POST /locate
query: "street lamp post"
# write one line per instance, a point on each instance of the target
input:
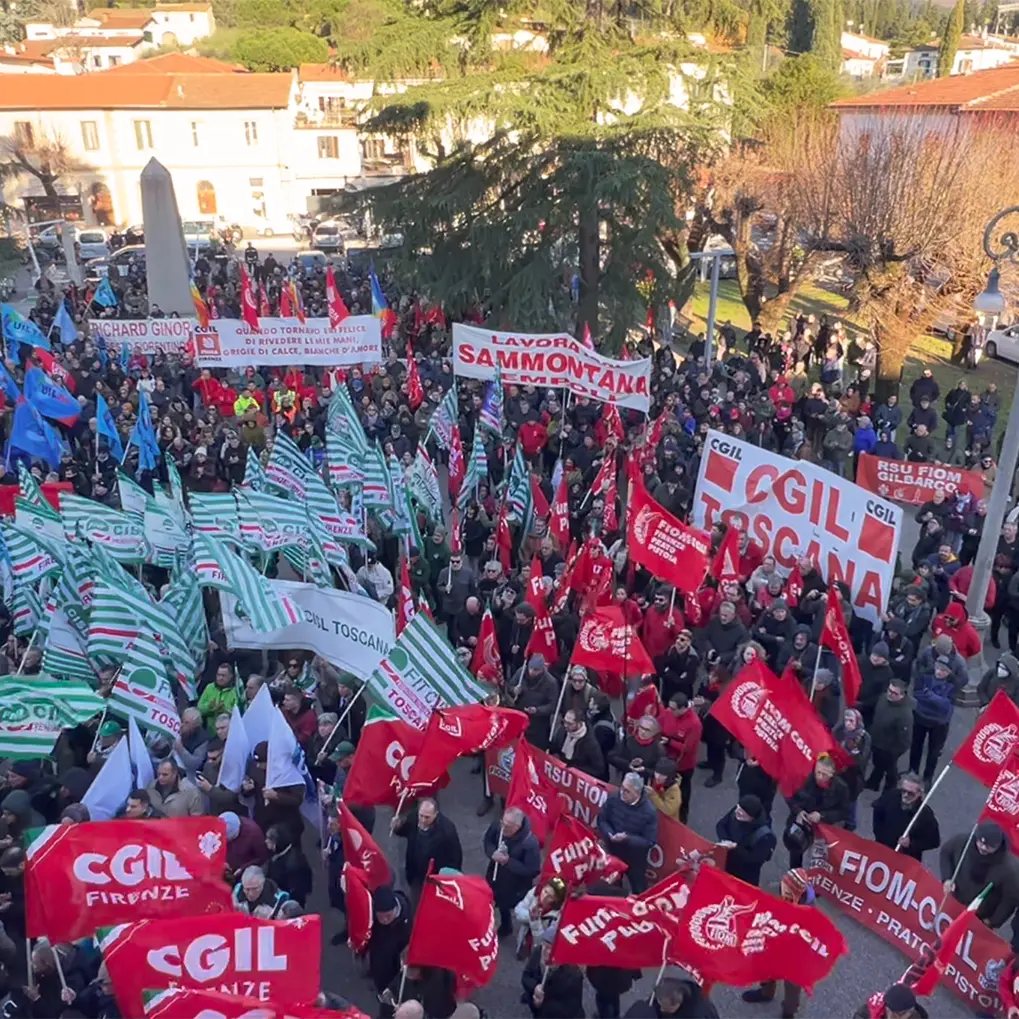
(715, 256)
(990, 305)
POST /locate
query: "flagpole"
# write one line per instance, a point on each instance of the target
(916, 816)
(955, 873)
(661, 969)
(99, 729)
(31, 642)
(28, 959)
(559, 703)
(320, 756)
(403, 981)
(60, 968)
(817, 665)
(396, 813)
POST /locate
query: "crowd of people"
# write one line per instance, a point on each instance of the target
(644, 736)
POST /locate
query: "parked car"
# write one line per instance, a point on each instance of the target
(328, 237)
(116, 264)
(311, 260)
(92, 244)
(1003, 343)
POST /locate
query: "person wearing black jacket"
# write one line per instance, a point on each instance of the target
(49, 992)
(609, 982)
(678, 667)
(389, 937)
(551, 992)
(901, 650)
(575, 744)
(674, 998)
(823, 797)
(287, 865)
(753, 780)
(514, 862)
(432, 840)
(724, 634)
(746, 832)
(97, 1000)
(875, 675)
(896, 808)
(775, 630)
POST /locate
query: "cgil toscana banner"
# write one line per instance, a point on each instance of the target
(232, 343)
(793, 508)
(551, 359)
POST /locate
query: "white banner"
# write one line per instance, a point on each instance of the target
(791, 508)
(550, 359)
(144, 335)
(231, 342)
(350, 631)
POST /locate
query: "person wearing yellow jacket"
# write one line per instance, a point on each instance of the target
(663, 789)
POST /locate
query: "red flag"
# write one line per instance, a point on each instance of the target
(664, 545)
(83, 876)
(586, 337)
(835, 635)
(382, 761)
(596, 930)
(776, 723)
(538, 500)
(736, 934)
(559, 521)
(945, 946)
(994, 735)
(286, 302)
(358, 905)
(504, 539)
(454, 929)
(456, 545)
(577, 856)
(55, 369)
(298, 302)
(405, 610)
(281, 958)
(264, 308)
(543, 640)
(606, 472)
(610, 514)
(415, 391)
(180, 1003)
(486, 663)
(794, 587)
(535, 593)
(614, 423)
(653, 436)
(459, 732)
(532, 792)
(726, 564)
(249, 306)
(457, 465)
(1002, 804)
(337, 309)
(435, 316)
(361, 851)
(607, 643)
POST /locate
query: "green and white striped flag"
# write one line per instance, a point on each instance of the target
(288, 467)
(40, 518)
(341, 418)
(64, 654)
(32, 555)
(34, 710)
(218, 567)
(121, 535)
(423, 484)
(397, 485)
(168, 542)
(27, 610)
(269, 524)
(216, 513)
(29, 488)
(133, 498)
(520, 501)
(254, 475)
(142, 691)
(342, 460)
(376, 488)
(176, 486)
(477, 471)
(73, 589)
(444, 416)
(183, 602)
(422, 672)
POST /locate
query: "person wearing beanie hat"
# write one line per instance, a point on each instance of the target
(775, 630)
(534, 691)
(935, 689)
(390, 935)
(794, 887)
(875, 675)
(826, 696)
(941, 647)
(898, 1002)
(663, 789)
(245, 845)
(747, 833)
(969, 866)
(551, 990)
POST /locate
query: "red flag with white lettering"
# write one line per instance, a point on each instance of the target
(181, 1003)
(989, 744)
(577, 856)
(458, 732)
(543, 640)
(405, 609)
(98, 874)
(726, 563)
(835, 635)
(357, 903)
(736, 934)
(457, 464)
(793, 587)
(334, 300)
(486, 663)
(607, 643)
(454, 929)
(361, 850)
(1002, 804)
(231, 952)
(249, 305)
(559, 521)
(532, 792)
(598, 930)
(415, 390)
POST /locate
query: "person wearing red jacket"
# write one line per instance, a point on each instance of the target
(661, 624)
(631, 610)
(783, 397)
(681, 736)
(953, 621)
(533, 438)
(207, 388)
(751, 555)
(960, 582)
(300, 715)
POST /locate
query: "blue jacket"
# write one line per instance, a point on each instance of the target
(638, 821)
(864, 440)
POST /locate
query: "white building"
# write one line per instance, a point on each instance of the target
(862, 56)
(975, 53)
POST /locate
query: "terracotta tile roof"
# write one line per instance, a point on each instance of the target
(24, 58)
(111, 17)
(72, 42)
(107, 91)
(322, 72)
(185, 8)
(850, 55)
(953, 93)
(177, 63)
(35, 49)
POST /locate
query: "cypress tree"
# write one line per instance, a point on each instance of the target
(950, 42)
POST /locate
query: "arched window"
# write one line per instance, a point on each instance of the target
(206, 198)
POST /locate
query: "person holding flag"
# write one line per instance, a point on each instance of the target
(514, 862)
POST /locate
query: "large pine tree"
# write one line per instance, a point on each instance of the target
(552, 166)
(950, 41)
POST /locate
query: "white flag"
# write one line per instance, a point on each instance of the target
(145, 774)
(258, 717)
(112, 786)
(235, 753)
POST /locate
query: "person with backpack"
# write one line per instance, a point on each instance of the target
(935, 702)
(747, 833)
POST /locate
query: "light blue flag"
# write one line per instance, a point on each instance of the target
(18, 329)
(107, 428)
(64, 322)
(104, 294)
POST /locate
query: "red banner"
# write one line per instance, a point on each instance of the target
(835, 635)
(664, 545)
(599, 930)
(178, 1003)
(532, 792)
(678, 846)
(576, 855)
(361, 850)
(81, 877)
(776, 723)
(357, 900)
(987, 747)
(607, 643)
(271, 960)
(486, 663)
(454, 929)
(905, 481)
(50, 489)
(896, 897)
(1002, 804)
(734, 933)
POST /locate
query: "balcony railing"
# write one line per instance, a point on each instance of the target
(320, 119)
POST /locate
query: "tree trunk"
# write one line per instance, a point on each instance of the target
(891, 359)
(589, 245)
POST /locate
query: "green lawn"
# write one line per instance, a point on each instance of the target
(927, 351)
